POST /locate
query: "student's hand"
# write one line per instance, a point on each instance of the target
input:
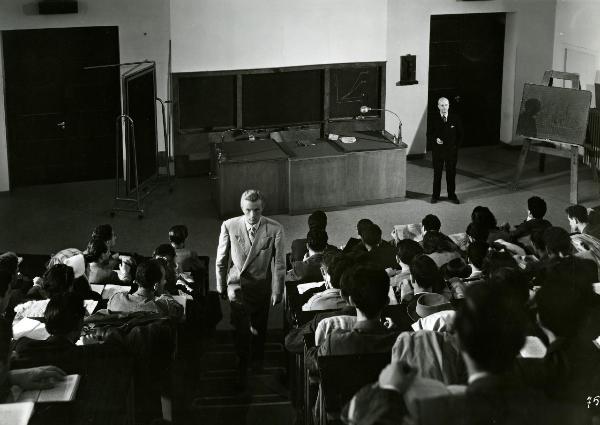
(391, 272)
(276, 299)
(89, 339)
(397, 376)
(36, 378)
(439, 141)
(124, 268)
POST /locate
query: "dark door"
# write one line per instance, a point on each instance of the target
(466, 54)
(61, 117)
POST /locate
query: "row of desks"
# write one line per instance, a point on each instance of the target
(299, 177)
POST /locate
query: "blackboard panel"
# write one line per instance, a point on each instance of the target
(280, 98)
(352, 87)
(207, 102)
(554, 113)
(139, 97)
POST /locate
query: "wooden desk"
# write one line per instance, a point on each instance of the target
(376, 169)
(241, 165)
(317, 174)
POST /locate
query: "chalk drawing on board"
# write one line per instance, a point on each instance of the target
(356, 94)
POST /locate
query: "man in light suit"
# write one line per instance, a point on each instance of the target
(444, 137)
(250, 268)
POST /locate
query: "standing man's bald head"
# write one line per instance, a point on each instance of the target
(443, 105)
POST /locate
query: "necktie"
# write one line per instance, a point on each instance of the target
(445, 118)
(252, 233)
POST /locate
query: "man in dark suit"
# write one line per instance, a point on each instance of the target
(250, 268)
(444, 137)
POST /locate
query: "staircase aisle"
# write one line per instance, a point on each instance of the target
(216, 401)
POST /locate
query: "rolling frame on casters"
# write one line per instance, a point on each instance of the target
(125, 124)
(548, 149)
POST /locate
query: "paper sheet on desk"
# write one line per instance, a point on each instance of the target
(533, 348)
(30, 328)
(303, 287)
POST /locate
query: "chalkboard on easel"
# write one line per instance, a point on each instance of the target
(554, 113)
(352, 87)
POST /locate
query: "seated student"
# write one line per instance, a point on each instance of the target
(536, 209)
(489, 348)
(379, 252)
(308, 270)
(406, 251)
(150, 279)
(477, 232)
(333, 266)
(567, 312)
(476, 252)
(35, 378)
(439, 247)
(165, 254)
(98, 269)
(482, 216)
(579, 221)
(185, 259)
(368, 287)
(17, 286)
(64, 321)
(356, 244)
(316, 221)
(105, 233)
(58, 279)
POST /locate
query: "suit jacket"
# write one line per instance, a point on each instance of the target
(450, 132)
(258, 268)
(384, 255)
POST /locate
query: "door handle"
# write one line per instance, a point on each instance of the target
(61, 125)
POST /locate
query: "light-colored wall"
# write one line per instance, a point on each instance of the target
(577, 41)
(143, 34)
(528, 52)
(212, 35)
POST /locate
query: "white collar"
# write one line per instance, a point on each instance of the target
(255, 226)
(477, 375)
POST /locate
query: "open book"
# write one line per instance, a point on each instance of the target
(62, 391)
(108, 291)
(16, 413)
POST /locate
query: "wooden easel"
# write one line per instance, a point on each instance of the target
(548, 147)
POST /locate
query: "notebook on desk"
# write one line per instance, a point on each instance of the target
(16, 413)
(62, 391)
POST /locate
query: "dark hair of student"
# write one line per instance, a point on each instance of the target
(436, 242)
(560, 307)
(498, 259)
(64, 313)
(407, 250)
(478, 232)
(148, 274)
(372, 235)
(336, 263)
(58, 279)
(476, 253)
(164, 250)
(316, 239)
(96, 247)
(491, 330)
(317, 220)
(362, 224)
(483, 215)
(537, 207)
(578, 212)
(426, 273)
(514, 282)
(103, 232)
(557, 241)
(178, 234)
(431, 222)
(368, 285)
